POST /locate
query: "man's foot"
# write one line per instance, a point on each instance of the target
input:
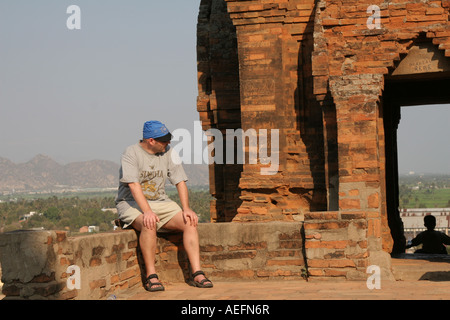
(152, 283)
(200, 281)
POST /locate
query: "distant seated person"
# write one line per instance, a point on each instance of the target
(432, 241)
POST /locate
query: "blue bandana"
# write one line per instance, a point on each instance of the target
(154, 129)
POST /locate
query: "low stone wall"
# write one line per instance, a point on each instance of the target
(36, 264)
(44, 264)
(341, 244)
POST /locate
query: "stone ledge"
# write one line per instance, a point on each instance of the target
(35, 263)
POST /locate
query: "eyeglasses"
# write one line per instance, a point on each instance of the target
(162, 141)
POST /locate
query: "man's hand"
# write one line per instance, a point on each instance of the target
(150, 220)
(191, 217)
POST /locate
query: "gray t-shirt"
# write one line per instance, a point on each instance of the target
(151, 171)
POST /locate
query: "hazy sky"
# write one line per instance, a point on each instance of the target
(84, 94)
(424, 139)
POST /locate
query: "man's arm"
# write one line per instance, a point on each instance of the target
(445, 239)
(416, 241)
(150, 218)
(184, 199)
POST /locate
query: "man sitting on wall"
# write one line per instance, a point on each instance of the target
(143, 204)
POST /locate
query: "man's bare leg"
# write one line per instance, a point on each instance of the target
(147, 243)
(190, 241)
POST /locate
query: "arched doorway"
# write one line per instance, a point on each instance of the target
(422, 77)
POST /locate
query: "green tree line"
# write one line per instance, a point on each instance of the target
(72, 213)
(57, 213)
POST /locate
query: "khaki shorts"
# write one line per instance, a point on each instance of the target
(165, 210)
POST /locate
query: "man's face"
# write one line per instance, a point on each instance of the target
(160, 146)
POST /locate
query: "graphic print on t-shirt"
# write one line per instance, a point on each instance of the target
(152, 183)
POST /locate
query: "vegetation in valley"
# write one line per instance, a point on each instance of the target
(424, 191)
(72, 211)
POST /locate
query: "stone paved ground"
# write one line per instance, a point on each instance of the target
(286, 298)
(231, 300)
(417, 279)
(300, 290)
(435, 285)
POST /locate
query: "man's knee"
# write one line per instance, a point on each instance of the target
(138, 225)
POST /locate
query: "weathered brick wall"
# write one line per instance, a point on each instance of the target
(252, 251)
(218, 101)
(337, 245)
(276, 93)
(350, 63)
(35, 263)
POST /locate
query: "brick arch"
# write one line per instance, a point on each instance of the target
(345, 47)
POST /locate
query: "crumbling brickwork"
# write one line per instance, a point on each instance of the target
(255, 75)
(36, 264)
(327, 74)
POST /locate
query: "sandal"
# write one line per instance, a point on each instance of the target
(148, 285)
(202, 283)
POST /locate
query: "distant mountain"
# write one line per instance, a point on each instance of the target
(198, 174)
(42, 173)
